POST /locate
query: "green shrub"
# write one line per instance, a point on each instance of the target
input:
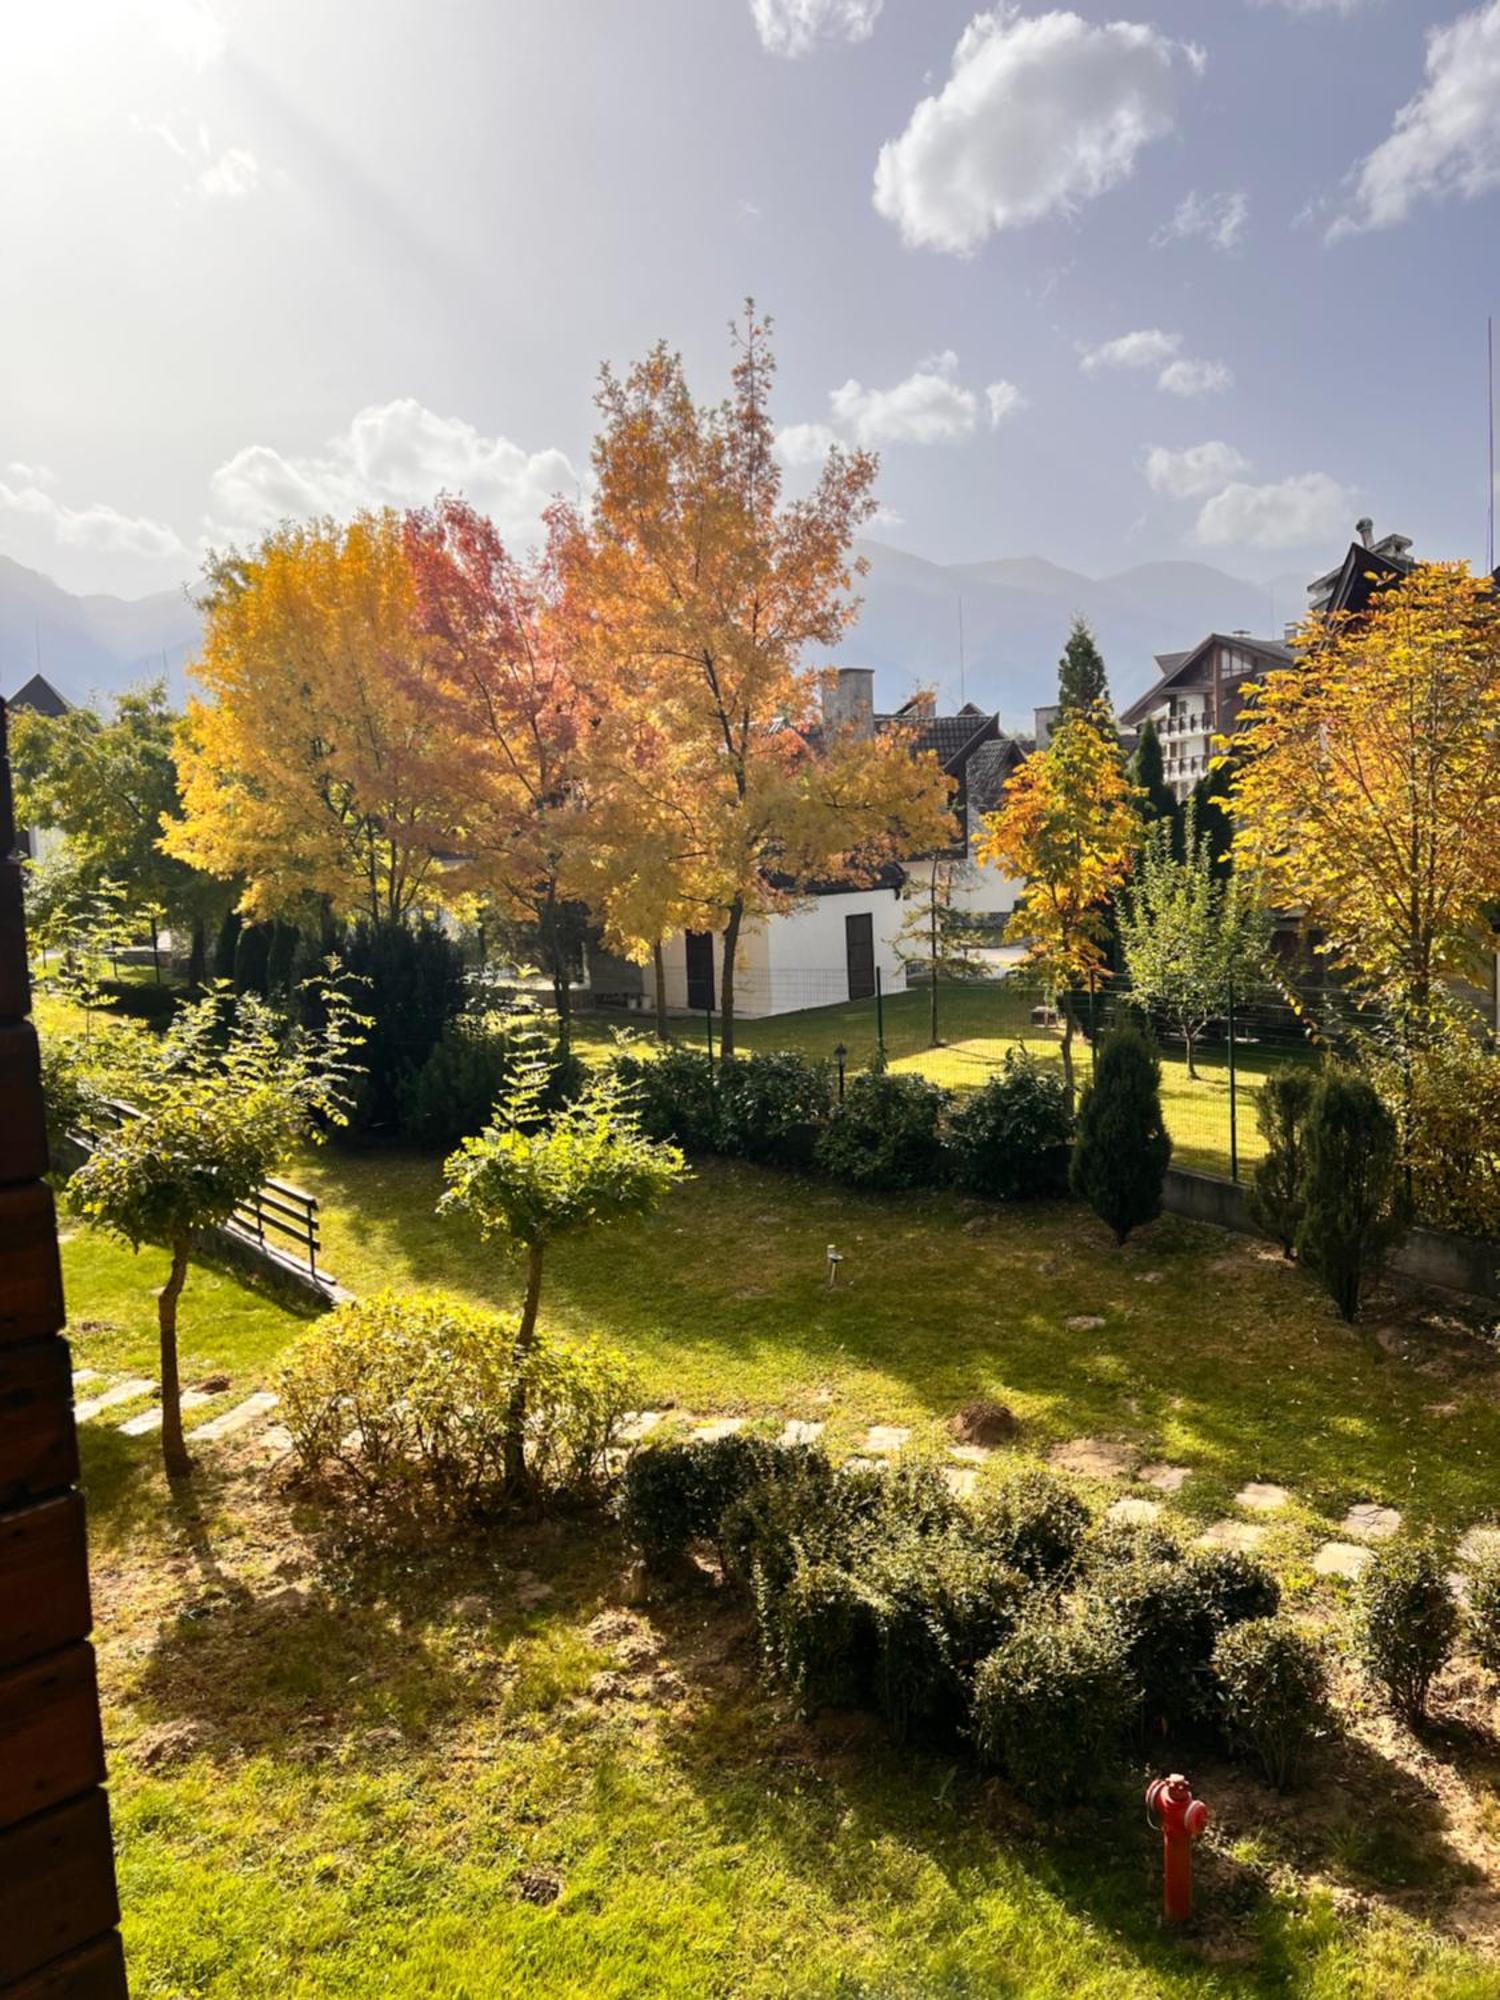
(1234, 1586)
(1277, 1193)
(818, 1634)
(887, 1134)
(408, 1395)
(1033, 1522)
(772, 1108)
(1405, 1622)
(451, 1096)
(252, 953)
(143, 1000)
(1115, 1544)
(1483, 1607)
(1122, 1151)
(676, 1095)
(1169, 1614)
(1273, 1695)
(1354, 1207)
(801, 1502)
(1052, 1705)
(1011, 1137)
(673, 1495)
(939, 1605)
(413, 985)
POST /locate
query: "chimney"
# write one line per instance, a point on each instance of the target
(849, 701)
(1365, 529)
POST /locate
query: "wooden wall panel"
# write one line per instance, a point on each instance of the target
(54, 1895)
(50, 1741)
(44, 1582)
(38, 1441)
(95, 1973)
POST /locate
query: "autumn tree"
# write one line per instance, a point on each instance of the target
(1367, 791)
(938, 938)
(313, 764)
(703, 589)
(1188, 935)
(1066, 830)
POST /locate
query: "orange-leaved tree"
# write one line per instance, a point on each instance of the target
(1367, 789)
(310, 763)
(497, 665)
(703, 587)
(1067, 827)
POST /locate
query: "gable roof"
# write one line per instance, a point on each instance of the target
(989, 767)
(1180, 671)
(954, 738)
(1351, 585)
(41, 697)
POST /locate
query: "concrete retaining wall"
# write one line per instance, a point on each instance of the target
(1425, 1257)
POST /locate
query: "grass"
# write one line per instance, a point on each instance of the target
(979, 1023)
(388, 1746)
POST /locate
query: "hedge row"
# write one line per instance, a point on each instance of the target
(1010, 1138)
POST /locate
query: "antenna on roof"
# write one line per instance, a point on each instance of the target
(1491, 361)
(963, 693)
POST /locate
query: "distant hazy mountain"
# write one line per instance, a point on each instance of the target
(86, 645)
(1016, 615)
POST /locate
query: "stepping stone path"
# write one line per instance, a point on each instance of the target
(150, 1420)
(716, 1428)
(1084, 1322)
(799, 1431)
(122, 1392)
(1259, 1497)
(237, 1419)
(1345, 1559)
(83, 1376)
(1165, 1478)
(886, 1439)
(1096, 1458)
(1132, 1512)
(962, 1479)
(1479, 1543)
(640, 1424)
(1244, 1536)
(1370, 1521)
(969, 1454)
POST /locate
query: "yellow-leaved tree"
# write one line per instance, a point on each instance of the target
(701, 588)
(1067, 827)
(1367, 789)
(311, 760)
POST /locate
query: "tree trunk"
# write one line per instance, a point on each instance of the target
(173, 1447)
(1067, 1049)
(933, 956)
(515, 1413)
(726, 981)
(156, 950)
(1191, 1043)
(659, 972)
(197, 956)
(562, 995)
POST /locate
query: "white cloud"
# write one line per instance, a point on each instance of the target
(805, 444)
(1446, 140)
(235, 172)
(795, 27)
(1218, 218)
(100, 526)
(930, 407)
(1290, 513)
(31, 475)
(886, 517)
(1177, 373)
(192, 30)
(1150, 348)
(1315, 6)
(1040, 114)
(1004, 399)
(1195, 378)
(1191, 473)
(397, 454)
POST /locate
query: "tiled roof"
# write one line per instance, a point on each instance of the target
(989, 767)
(949, 735)
(40, 696)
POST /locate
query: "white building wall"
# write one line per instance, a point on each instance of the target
(798, 959)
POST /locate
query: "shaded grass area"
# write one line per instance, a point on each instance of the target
(980, 1022)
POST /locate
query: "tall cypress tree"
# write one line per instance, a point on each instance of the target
(1148, 774)
(1122, 1151)
(1081, 677)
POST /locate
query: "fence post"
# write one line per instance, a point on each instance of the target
(1093, 1030)
(840, 1054)
(1234, 1137)
(879, 1014)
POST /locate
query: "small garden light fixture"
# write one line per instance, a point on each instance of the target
(840, 1053)
(835, 1258)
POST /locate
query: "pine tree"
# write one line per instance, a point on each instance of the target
(1354, 1208)
(1121, 1155)
(1147, 774)
(1082, 683)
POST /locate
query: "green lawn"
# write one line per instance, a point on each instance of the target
(978, 1023)
(387, 1743)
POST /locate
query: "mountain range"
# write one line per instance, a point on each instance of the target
(1015, 614)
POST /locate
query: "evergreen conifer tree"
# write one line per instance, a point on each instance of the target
(1147, 774)
(1354, 1208)
(1082, 682)
(1121, 1155)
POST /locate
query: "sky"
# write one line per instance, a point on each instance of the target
(1109, 284)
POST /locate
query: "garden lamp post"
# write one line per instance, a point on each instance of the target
(840, 1054)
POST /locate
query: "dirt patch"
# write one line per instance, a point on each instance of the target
(541, 1886)
(1096, 1458)
(986, 1424)
(173, 1742)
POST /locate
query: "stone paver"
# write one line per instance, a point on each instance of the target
(1245, 1536)
(885, 1439)
(237, 1419)
(1084, 1322)
(150, 1420)
(122, 1392)
(1479, 1543)
(970, 1454)
(1135, 1513)
(83, 1376)
(800, 1431)
(1165, 1478)
(1261, 1497)
(962, 1479)
(1346, 1559)
(716, 1428)
(276, 1439)
(639, 1424)
(1096, 1458)
(1370, 1521)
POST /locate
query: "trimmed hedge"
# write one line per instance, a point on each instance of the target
(887, 1134)
(1012, 1137)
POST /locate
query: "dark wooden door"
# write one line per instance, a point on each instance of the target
(700, 970)
(859, 955)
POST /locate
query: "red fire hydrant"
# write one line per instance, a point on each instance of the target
(1171, 1806)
